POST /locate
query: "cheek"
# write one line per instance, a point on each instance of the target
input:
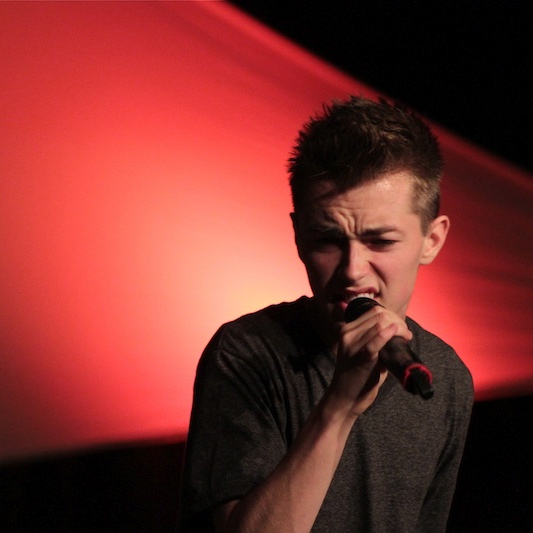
(401, 272)
(393, 268)
(321, 266)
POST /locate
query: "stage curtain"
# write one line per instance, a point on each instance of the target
(144, 201)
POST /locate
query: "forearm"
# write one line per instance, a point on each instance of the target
(290, 498)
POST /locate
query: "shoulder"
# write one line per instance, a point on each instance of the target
(426, 342)
(274, 320)
(268, 317)
(277, 332)
(441, 357)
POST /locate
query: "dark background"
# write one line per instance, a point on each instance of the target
(464, 64)
(135, 487)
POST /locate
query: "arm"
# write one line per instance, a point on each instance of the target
(291, 497)
(434, 514)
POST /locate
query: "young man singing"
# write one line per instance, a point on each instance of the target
(297, 425)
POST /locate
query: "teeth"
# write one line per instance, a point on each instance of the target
(366, 295)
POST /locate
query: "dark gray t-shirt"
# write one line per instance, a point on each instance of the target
(257, 382)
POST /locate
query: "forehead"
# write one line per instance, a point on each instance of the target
(392, 193)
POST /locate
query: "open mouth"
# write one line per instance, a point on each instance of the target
(364, 293)
(371, 295)
(342, 301)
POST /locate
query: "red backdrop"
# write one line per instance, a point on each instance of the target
(144, 201)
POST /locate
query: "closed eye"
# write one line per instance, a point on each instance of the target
(327, 242)
(380, 243)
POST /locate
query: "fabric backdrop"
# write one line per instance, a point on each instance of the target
(144, 201)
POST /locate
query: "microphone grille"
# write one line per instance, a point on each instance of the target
(358, 307)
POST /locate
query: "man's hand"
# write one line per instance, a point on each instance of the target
(359, 373)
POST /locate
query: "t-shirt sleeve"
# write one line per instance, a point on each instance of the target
(235, 436)
(458, 404)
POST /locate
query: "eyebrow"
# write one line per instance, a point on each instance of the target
(336, 230)
(372, 232)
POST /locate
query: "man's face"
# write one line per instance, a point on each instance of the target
(363, 241)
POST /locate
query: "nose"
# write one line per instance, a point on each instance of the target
(356, 261)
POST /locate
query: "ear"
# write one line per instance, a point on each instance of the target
(434, 239)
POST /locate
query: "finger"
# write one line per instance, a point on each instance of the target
(380, 337)
(355, 340)
(377, 315)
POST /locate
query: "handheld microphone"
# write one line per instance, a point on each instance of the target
(396, 355)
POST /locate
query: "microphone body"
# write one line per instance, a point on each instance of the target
(396, 355)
